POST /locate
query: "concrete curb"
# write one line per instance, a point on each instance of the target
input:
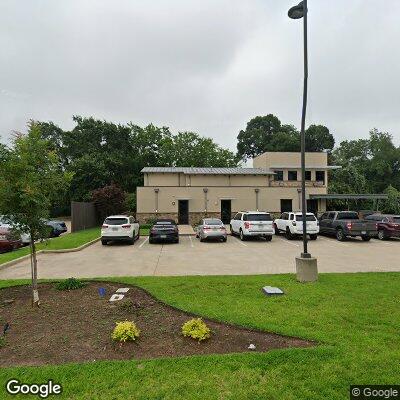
(18, 260)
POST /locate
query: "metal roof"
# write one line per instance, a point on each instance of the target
(209, 171)
(307, 167)
(362, 196)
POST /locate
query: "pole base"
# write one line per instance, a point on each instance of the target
(306, 269)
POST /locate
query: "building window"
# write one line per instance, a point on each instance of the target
(278, 176)
(286, 205)
(292, 175)
(308, 175)
(320, 176)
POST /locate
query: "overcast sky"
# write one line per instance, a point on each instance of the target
(201, 65)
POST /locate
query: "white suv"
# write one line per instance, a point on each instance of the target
(119, 228)
(291, 223)
(252, 223)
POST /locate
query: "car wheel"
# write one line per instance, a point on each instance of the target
(366, 238)
(313, 237)
(276, 230)
(201, 239)
(381, 235)
(177, 240)
(340, 235)
(268, 238)
(131, 241)
(242, 236)
(224, 239)
(104, 242)
(232, 233)
(151, 241)
(289, 235)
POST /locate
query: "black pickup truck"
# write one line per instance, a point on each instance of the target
(342, 224)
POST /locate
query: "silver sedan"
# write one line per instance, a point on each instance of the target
(211, 228)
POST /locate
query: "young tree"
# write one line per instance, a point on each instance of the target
(30, 179)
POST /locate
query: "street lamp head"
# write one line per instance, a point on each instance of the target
(297, 12)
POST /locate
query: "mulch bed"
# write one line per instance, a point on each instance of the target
(76, 326)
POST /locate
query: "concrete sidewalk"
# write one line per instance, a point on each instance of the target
(186, 230)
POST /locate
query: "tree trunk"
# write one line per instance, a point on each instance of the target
(35, 292)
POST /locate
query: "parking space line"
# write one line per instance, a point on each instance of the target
(243, 244)
(332, 241)
(289, 242)
(191, 242)
(146, 240)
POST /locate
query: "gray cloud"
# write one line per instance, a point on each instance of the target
(207, 66)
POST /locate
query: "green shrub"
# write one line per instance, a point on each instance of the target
(130, 202)
(2, 341)
(70, 284)
(127, 305)
(125, 331)
(145, 226)
(196, 329)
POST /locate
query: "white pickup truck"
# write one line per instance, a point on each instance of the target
(291, 223)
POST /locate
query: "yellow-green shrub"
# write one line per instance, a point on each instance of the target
(196, 329)
(125, 331)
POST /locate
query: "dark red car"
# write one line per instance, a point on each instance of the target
(7, 241)
(388, 225)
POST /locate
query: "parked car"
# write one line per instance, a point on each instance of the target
(252, 223)
(8, 241)
(291, 223)
(388, 225)
(211, 228)
(120, 228)
(164, 230)
(4, 223)
(56, 227)
(343, 224)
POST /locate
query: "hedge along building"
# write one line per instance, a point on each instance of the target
(273, 184)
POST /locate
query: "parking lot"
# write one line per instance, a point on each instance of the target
(190, 257)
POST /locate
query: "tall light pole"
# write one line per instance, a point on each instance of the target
(305, 262)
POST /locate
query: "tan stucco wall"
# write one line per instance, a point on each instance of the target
(243, 198)
(271, 159)
(165, 179)
(155, 179)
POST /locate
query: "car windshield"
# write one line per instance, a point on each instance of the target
(347, 215)
(116, 221)
(212, 222)
(308, 218)
(396, 220)
(257, 217)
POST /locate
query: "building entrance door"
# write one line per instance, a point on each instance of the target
(312, 206)
(226, 210)
(183, 212)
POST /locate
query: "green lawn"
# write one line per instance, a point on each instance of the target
(144, 231)
(66, 241)
(354, 317)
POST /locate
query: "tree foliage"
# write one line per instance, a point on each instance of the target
(267, 133)
(30, 180)
(368, 166)
(101, 153)
(109, 200)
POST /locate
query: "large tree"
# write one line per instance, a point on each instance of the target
(377, 159)
(101, 153)
(318, 138)
(267, 133)
(30, 180)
